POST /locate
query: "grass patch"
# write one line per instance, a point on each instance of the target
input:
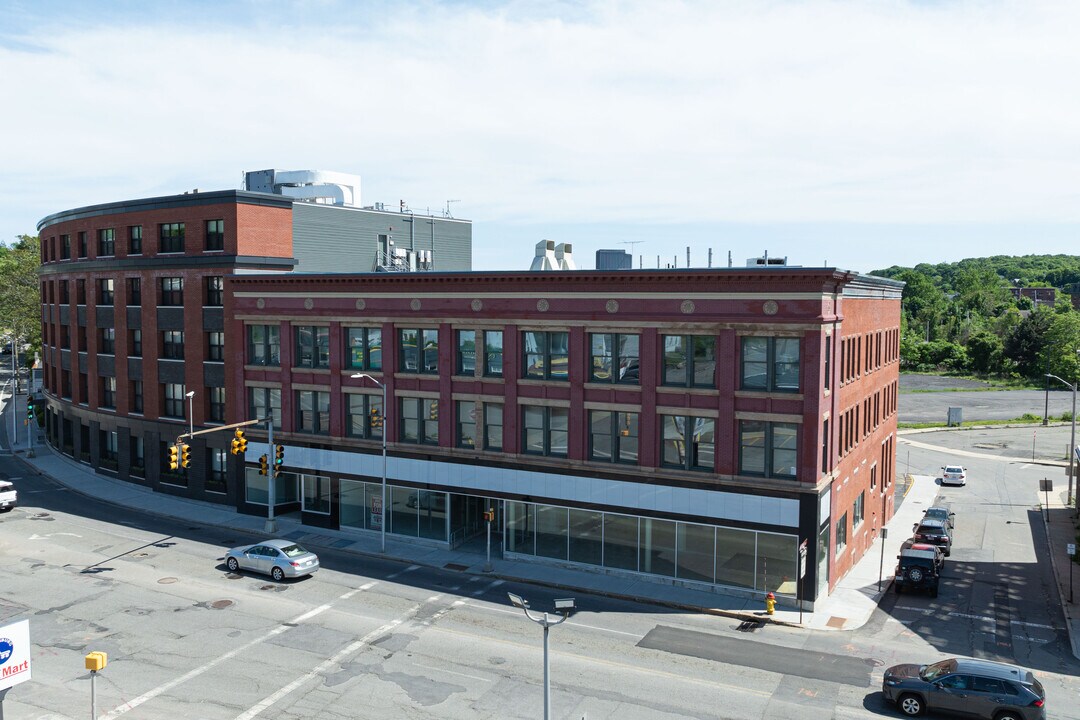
(1025, 419)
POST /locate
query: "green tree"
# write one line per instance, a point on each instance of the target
(1059, 353)
(981, 290)
(985, 352)
(1025, 344)
(20, 300)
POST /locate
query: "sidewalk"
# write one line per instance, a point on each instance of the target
(849, 606)
(1061, 530)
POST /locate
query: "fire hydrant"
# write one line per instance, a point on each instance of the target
(770, 603)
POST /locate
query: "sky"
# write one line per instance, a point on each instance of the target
(858, 135)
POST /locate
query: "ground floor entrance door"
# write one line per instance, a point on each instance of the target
(468, 528)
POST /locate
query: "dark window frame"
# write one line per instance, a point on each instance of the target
(547, 430)
(369, 419)
(312, 412)
(134, 291)
(172, 291)
(172, 344)
(770, 448)
(360, 343)
(215, 235)
(425, 352)
(106, 242)
(690, 360)
(693, 449)
(107, 341)
(538, 359)
(215, 291)
(620, 424)
(628, 364)
(215, 346)
(313, 354)
(423, 415)
(171, 237)
(491, 367)
(106, 291)
(261, 351)
(135, 240)
(770, 365)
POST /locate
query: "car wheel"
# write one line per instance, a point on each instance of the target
(1007, 715)
(910, 705)
(278, 574)
(232, 564)
(948, 552)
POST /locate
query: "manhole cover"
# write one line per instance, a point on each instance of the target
(221, 604)
(142, 555)
(166, 581)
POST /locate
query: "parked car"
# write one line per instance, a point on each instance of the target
(912, 544)
(940, 512)
(974, 688)
(953, 475)
(277, 558)
(917, 570)
(934, 532)
(8, 496)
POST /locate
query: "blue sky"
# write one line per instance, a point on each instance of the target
(857, 134)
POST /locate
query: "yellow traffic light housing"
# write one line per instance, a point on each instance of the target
(96, 661)
(279, 459)
(174, 457)
(239, 443)
(264, 466)
(185, 456)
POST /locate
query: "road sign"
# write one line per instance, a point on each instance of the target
(1070, 548)
(1046, 485)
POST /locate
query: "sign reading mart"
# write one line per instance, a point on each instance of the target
(14, 654)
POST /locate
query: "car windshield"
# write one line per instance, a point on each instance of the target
(937, 513)
(293, 550)
(932, 672)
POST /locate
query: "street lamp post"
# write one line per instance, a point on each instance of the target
(1072, 439)
(382, 509)
(564, 606)
(191, 411)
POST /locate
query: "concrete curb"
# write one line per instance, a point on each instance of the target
(1074, 638)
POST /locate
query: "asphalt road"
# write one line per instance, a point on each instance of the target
(925, 399)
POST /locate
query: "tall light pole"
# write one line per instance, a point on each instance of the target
(382, 509)
(564, 606)
(191, 411)
(1072, 439)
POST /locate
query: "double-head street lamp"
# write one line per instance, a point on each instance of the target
(564, 606)
(382, 509)
(1072, 438)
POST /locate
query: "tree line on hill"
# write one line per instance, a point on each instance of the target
(964, 317)
(20, 299)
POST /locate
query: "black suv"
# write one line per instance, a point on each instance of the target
(917, 570)
(935, 532)
(974, 688)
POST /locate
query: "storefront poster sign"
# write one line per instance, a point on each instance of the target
(14, 654)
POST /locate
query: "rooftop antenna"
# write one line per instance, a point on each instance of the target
(448, 207)
(631, 243)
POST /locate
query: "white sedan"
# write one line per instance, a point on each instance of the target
(953, 475)
(277, 558)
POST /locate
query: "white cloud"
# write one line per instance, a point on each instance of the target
(724, 112)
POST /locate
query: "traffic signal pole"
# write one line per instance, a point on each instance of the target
(271, 524)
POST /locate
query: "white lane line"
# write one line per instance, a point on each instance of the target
(442, 671)
(326, 665)
(490, 586)
(399, 572)
(1034, 625)
(165, 687)
(514, 611)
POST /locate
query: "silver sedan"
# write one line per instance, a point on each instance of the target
(277, 558)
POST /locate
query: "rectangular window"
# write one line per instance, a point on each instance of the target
(768, 449)
(546, 355)
(82, 244)
(688, 442)
(108, 392)
(770, 364)
(613, 436)
(858, 509)
(172, 237)
(172, 345)
(493, 353)
(419, 351)
(365, 416)
(841, 534)
(215, 234)
(174, 400)
(83, 347)
(420, 421)
(316, 494)
(825, 446)
(466, 423)
(172, 292)
(107, 442)
(105, 291)
(135, 345)
(215, 346)
(828, 361)
(218, 466)
(312, 346)
(313, 412)
(107, 341)
(216, 396)
(80, 292)
(264, 345)
(545, 430)
(135, 240)
(689, 360)
(134, 291)
(363, 348)
(613, 358)
(466, 352)
(493, 426)
(215, 291)
(65, 247)
(65, 295)
(264, 401)
(106, 242)
(136, 396)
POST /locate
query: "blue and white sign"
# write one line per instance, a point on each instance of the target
(14, 654)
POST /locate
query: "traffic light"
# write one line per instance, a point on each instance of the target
(185, 456)
(264, 466)
(489, 515)
(279, 459)
(239, 443)
(174, 457)
(433, 410)
(376, 418)
(29, 409)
